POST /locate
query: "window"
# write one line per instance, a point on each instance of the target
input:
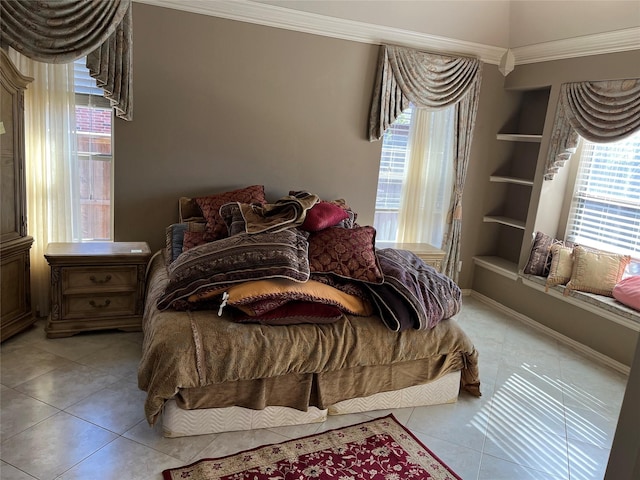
(94, 120)
(393, 160)
(605, 208)
(416, 177)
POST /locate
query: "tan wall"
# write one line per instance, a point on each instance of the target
(221, 104)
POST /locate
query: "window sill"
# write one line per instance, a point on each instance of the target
(606, 307)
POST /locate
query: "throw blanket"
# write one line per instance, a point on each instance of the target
(414, 294)
(289, 211)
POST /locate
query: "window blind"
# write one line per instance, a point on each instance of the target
(395, 148)
(605, 211)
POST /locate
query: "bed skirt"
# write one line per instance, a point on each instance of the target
(178, 422)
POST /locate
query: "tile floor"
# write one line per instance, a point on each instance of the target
(70, 409)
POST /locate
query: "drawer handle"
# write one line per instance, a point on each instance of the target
(95, 280)
(106, 303)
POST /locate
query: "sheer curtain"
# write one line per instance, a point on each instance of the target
(428, 182)
(50, 164)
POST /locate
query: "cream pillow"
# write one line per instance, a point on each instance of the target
(596, 271)
(561, 265)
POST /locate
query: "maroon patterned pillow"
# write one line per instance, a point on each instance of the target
(345, 252)
(323, 215)
(210, 206)
(192, 239)
(293, 313)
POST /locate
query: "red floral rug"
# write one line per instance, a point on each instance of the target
(380, 449)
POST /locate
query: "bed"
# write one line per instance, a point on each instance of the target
(246, 332)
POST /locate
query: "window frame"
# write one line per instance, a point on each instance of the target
(567, 204)
(92, 100)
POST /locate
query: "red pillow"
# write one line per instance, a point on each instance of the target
(192, 239)
(210, 206)
(627, 291)
(345, 252)
(323, 215)
(292, 313)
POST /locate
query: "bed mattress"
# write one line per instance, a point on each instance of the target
(178, 422)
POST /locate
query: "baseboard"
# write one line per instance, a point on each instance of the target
(571, 343)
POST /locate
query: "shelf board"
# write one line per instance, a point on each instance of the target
(510, 222)
(507, 179)
(499, 265)
(519, 137)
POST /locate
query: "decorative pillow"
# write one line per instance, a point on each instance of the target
(627, 291)
(561, 265)
(293, 313)
(347, 253)
(261, 296)
(193, 239)
(236, 259)
(323, 215)
(210, 206)
(596, 271)
(539, 261)
(348, 222)
(175, 238)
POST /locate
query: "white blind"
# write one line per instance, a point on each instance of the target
(395, 147)
(605, 211)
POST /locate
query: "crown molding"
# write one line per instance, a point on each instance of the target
(289, 19)
(596, 44)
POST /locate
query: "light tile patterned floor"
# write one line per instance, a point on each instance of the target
(70, 409)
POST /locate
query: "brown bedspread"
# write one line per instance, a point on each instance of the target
(187, 354)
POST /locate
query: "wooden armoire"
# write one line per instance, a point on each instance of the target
(15, 301)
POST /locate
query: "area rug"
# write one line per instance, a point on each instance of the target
(380, 449)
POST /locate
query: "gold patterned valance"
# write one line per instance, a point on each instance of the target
(600, 112)
(424, 79)
(61, 31)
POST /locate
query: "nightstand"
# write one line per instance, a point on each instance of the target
(428, 253)
(96, 286)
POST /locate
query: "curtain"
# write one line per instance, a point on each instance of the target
(432, 81)
(424, 79)
(50, 161)
(465, 121)
(601, 112)
(427, 184)
(61, 31)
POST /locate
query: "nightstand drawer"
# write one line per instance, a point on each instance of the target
(98, 305)
(95, 279)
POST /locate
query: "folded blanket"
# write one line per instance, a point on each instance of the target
(413, 294)
(289, 211)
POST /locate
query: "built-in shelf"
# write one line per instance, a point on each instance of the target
(519, 137)
(511, 222)
(498, 265)
(508, 179)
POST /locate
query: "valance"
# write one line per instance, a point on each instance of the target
(601, 112)
(428, 80)
(61, 31)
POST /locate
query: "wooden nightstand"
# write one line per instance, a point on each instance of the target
(96, 286)
(428, 253)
